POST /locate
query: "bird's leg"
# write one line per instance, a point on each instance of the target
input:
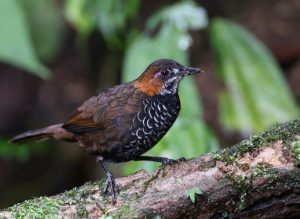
(109, 180)
(163, 160)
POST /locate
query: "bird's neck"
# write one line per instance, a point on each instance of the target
(170, 100)
(150, 87)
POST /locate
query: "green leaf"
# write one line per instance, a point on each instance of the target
(110, 17)
(185, 15)
(15, 42)
(192, 193)
(82, 15)
(46, 26)
(189, 136)
(256, 95)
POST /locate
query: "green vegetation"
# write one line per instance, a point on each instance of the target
(296, 150)
(36, 208)
(47, 207)
(251, 76)
(192, 193)
(16, 46)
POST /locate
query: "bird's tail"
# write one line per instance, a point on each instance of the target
(53, 131)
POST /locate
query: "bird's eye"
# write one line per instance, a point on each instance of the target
(164, 73)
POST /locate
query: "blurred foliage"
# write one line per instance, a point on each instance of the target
(20, 152)
(15, 41)
(174, 36)
(185, 15)
(110, 17)
(257, 95)
(46, 27)
(82, 15)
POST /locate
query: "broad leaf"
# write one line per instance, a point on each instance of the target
(185, 16)
(110, 17)
(256, 94)
(82, 15)
(15, 43)
(46, 26)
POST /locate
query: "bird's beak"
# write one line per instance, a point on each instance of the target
(190, 71)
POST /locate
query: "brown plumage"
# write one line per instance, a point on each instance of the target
(123, 122)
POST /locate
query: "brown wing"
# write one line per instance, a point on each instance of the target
(77, 124)
(99, 112)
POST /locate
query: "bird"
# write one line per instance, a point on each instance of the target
(121, 123)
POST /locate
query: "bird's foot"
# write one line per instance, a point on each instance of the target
(111, 186)
(167, 161)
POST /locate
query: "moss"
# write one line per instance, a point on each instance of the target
(106, 217)
(284, 132)
(101, 185)
(242, 202)
(78, 197)
(245, 185)
(48, 206)
(36, 208)
(296, 150)
(124, 211)
(81, 210)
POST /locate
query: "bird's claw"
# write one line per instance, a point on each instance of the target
(182, 159)
(111, 185)
(167, 161)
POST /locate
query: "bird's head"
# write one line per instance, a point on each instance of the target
(162, 77)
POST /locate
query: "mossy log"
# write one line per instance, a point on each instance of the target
(257, 178)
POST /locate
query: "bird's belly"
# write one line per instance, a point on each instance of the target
(148, 127)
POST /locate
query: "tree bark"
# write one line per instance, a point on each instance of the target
(257, 178)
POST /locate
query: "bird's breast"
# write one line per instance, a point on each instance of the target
(150, 124)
